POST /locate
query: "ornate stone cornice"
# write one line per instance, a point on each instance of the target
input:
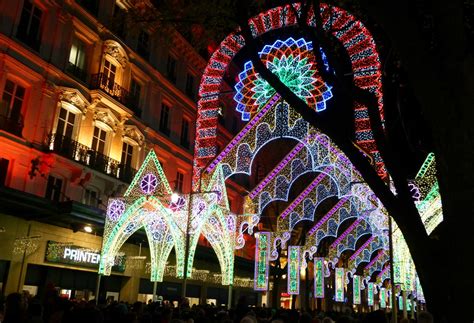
(116, 51)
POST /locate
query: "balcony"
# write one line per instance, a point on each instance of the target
(108, 85)
(11, 125)
(66, 147)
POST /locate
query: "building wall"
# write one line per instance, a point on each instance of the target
(50, 78)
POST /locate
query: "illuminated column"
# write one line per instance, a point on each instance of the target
(339, 284)
(383, 298)
(370, 294)
(356, 289)
(262, 248)
(293, 270)
(319, 277)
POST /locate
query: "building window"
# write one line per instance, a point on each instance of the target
(165, 119)
(171, 68)
(90, 5)
(91, 197)
(185, 133)
(53, 188)
(179, 181)
(135, 92)
(190, 86)
(29, 28)
(119, 22)
(66, 121)
(99, 139)
(10, 108)
(77, 59)
(108, 79)
(143, 44)
(3, 170)
(127, 154)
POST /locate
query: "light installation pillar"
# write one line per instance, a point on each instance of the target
(293, 270)
(383, 298)
(370, 294)
(262, 249)
(356, 289)
(339, 284)
(319, 277)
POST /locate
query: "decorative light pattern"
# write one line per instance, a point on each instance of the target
(319, 277)
(148, 183)
(262, 247)
(383, 297)
(356, 289)
(339, 276)
(352, 34)
(148, 204)
(293, 280)
(293, 62)
(370, 294)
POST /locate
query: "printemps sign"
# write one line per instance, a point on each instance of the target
(64, 253)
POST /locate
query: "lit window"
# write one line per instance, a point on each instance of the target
(99, 139)
(127, 154)
(53, 188)
(108, 80)
(30, 25)
(66, 121)
(77, 59)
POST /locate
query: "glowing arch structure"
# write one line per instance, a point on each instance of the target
(353, 35)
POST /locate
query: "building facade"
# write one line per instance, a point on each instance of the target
(84, 97)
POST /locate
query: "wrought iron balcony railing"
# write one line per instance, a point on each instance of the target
(109, 86)
(11, 125)
(83, 154)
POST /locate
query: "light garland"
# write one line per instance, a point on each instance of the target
(352, 34)
(339, 285)
(293, 281)
(319, 277)
(356, 289)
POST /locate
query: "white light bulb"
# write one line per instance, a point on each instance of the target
(174, 197)
(88, 228)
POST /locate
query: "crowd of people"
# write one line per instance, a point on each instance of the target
(19, 308)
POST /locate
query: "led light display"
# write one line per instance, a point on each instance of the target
(262, 247)
(383, 298)
(356, 289)
(370, 294)
(339, 294)
(319, 277)
(293, 270)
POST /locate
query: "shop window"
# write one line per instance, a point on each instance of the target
(77, 59)
(171, 68)
(91, 197)
(29, 28)
(165, 119)
(143, 44)
(3, 170)
(179, 181)
(99, 140)
(13, 97)
(185, 133)
(190, 86)
(53, 188)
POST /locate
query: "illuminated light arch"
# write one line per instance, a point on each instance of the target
(353, 35)
(364, 253)
(377, 263)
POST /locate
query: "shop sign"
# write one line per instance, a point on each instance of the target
(63, 253)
